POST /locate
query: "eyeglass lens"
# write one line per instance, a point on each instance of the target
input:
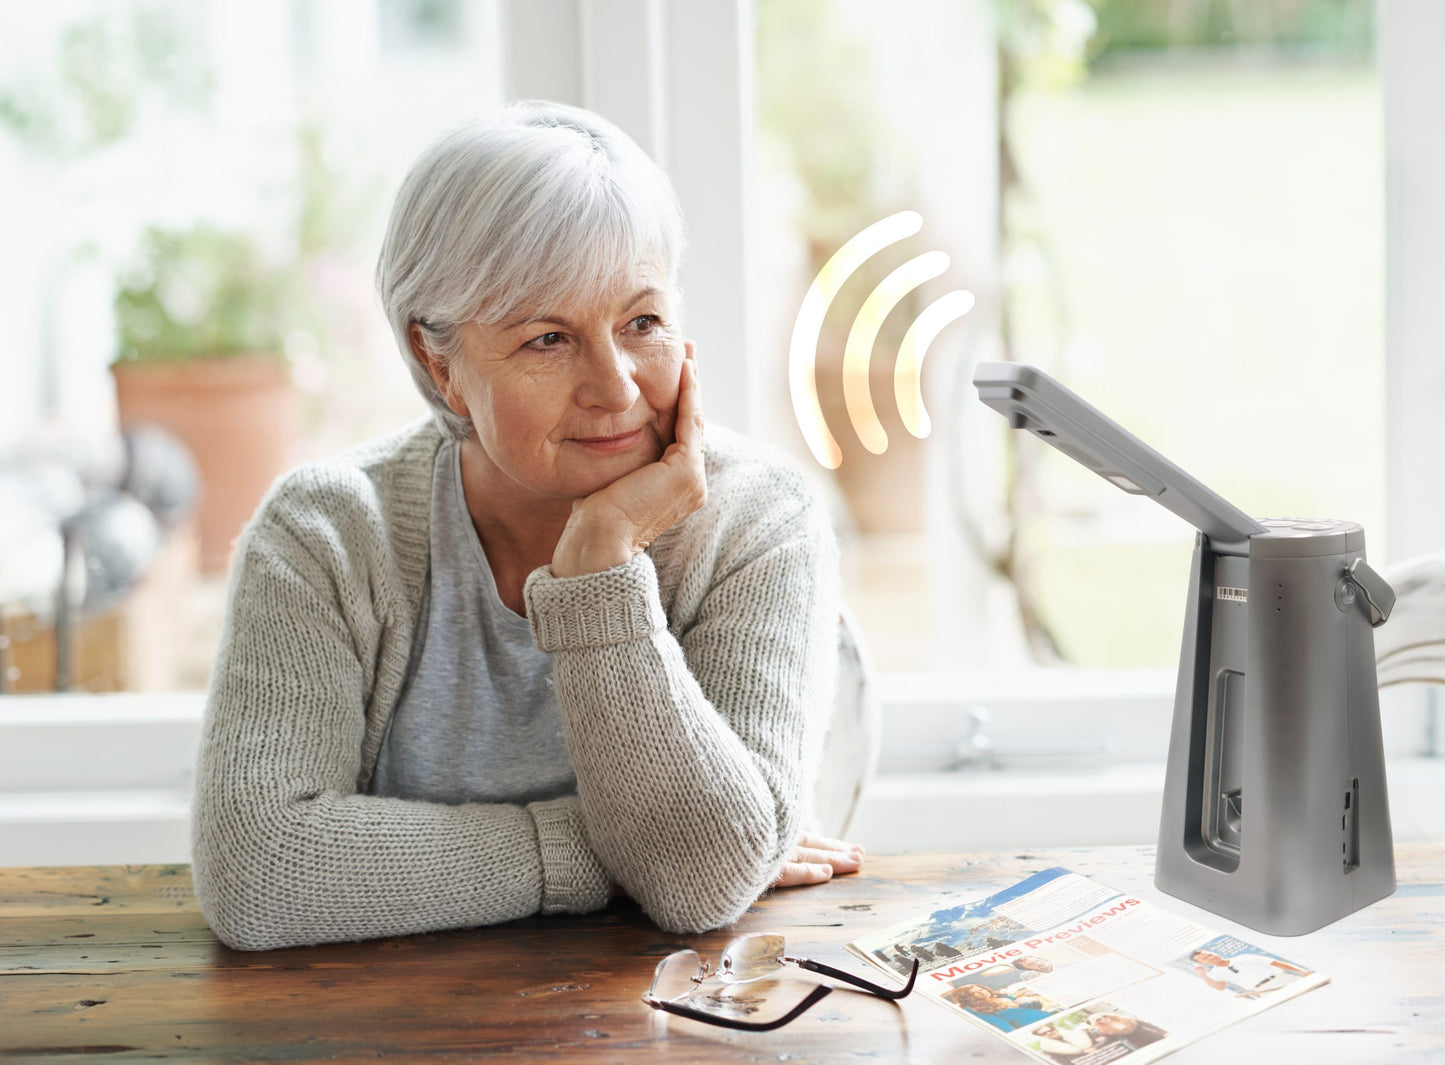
(680, 983)
(751, 957)
(678, 975)
(760, 954)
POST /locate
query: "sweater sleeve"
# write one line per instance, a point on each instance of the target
(285, 848)
(693, 747)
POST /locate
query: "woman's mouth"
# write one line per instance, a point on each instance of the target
(607, 444)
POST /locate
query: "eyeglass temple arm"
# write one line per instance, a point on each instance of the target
(814, 996)
(858, 981)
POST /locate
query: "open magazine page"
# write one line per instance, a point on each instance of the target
(1069, 970)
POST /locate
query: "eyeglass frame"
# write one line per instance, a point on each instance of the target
(725, 977)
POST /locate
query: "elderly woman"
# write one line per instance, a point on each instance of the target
(549, 646)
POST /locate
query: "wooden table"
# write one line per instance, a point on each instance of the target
(116, 964)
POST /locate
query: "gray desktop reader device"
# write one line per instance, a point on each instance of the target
(1275, 810)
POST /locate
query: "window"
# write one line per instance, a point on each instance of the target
(1246, 141)
(1178, 212)
(1246, 137)
(162, 147)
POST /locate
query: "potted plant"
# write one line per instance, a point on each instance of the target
(201, 320)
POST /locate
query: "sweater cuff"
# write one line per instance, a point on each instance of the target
(573, 880)
(594, 609)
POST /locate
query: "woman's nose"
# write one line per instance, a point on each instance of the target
(609, 379)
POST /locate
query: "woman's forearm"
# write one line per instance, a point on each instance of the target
(691, 754)
(679, 810)
(344, 867)
(286, 851)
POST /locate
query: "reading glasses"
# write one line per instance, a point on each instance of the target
(681, 975)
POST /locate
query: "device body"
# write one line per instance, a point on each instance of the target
(1275, 810)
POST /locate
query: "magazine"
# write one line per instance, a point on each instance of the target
(1070, 971)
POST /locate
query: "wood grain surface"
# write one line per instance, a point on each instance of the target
(117, 964)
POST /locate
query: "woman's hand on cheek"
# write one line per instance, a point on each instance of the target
(613, 524)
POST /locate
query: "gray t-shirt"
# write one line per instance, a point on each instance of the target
(478, 720)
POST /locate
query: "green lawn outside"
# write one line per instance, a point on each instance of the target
(1217, 236)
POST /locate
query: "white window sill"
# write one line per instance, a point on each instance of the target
(88, 779)
(980, 810)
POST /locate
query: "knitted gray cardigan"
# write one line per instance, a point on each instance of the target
(693, 683)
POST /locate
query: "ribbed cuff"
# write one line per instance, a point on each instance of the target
(594, 609)
(573, 880)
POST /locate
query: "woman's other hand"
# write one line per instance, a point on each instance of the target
(818, 859)
(610, 526)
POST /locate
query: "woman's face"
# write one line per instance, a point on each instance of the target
(567, 398)
(980, 999)
(1112, 1024)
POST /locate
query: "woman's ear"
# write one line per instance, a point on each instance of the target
(436, 365)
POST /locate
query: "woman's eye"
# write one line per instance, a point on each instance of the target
(546, 340)
(645, 323)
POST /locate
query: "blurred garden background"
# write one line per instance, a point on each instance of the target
(1189, 232)
(1175, 206)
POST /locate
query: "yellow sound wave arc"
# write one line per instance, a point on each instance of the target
(858, 352)
(908, 370)
(863, 335)
(802, 352)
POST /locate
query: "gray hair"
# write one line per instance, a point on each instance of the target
(498, 217)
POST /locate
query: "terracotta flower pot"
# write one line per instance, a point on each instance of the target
(238, 415)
